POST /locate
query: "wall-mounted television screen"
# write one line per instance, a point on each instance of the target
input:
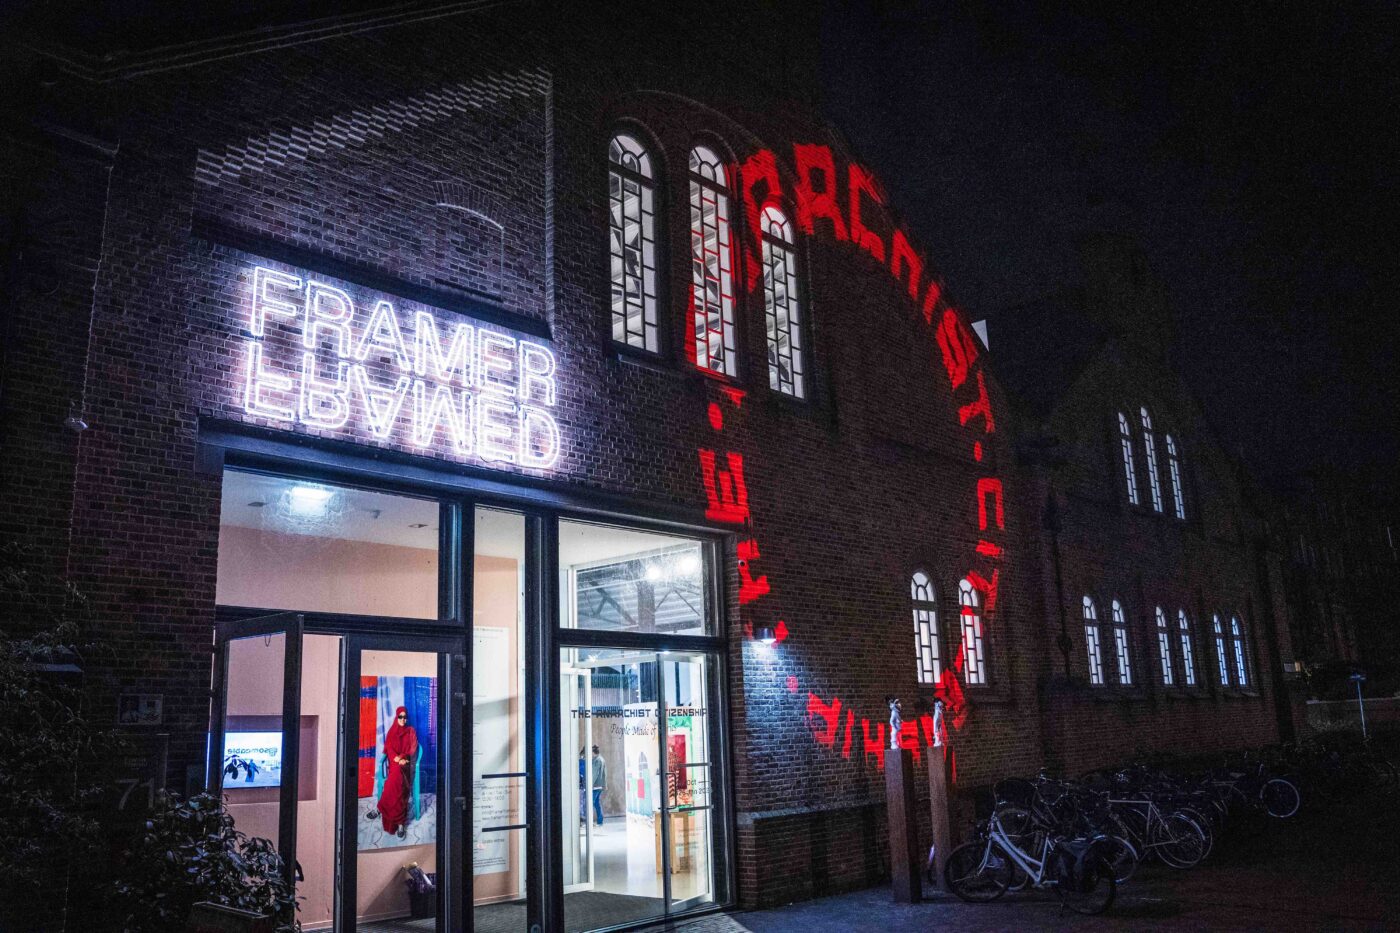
(252, 759)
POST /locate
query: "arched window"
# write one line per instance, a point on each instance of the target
(1174, 470)
(1120, 644)
(1220, 651)
(1125, 436)
(632, 243)
(1237, 638)
(1164, 647)
(780, 303)
(1188, 657)
(712, 265)
(1149, 444)
(1091, 642)
(974, 656)
(926, 628)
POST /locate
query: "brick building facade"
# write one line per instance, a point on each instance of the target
(179, 215)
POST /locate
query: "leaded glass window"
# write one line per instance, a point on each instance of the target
(1149, 444)
(1220, 660)
(632, 243)
(1125, 437)
(1188, 657)
(925, 628)
(1174, 471)
(780, 302)
(1091, 642)
(974, 655)
(1164, 647)
(712, 265)
(1120, 644)
(1237, 638)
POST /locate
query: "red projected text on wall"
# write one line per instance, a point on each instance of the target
(844, 203)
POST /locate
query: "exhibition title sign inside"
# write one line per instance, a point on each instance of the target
(316, 358)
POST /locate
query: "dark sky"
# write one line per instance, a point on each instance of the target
(1253, 151)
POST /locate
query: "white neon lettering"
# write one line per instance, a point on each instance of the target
(381, 405)
(330, 309)
(265, 304)
(494, 354)
(539, 438)
(430, 361)
(314, 358)
(324, 403)
(260, 381)
(383, 332)
(442, 404)
(495, 429)
(536, 369)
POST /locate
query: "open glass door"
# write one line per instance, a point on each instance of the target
(402, 790)
(255, 736)
(580, 819)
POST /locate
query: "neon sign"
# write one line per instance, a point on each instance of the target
(315, 359)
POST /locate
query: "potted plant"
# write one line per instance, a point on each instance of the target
(191, 856)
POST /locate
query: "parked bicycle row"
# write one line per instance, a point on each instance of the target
(1083, 838)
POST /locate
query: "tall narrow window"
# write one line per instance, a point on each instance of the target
(1149, 444)
(1091, 642)
(1188, 657)
(1220, 651)
(1237, 639)
(1164, 647)
(1125, 437)
(1120, 644)
(1174, 469)
(974, 656)
(780, 302)
(632, 240)
(925, 628)
(712, 265)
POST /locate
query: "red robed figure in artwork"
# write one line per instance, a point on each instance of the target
(400, 746)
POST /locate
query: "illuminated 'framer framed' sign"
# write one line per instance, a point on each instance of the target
(315, 358)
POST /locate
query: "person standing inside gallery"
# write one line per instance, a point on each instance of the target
(600, 784)
(400, 750)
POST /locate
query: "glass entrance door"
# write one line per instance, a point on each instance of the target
(401, 787)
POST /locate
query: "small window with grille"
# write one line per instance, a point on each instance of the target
(926, 650)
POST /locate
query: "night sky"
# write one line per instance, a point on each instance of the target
(1254, 154)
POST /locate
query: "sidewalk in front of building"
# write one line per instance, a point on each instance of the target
(1336, 868)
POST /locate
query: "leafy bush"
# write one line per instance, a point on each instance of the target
(191, 852)
(52, 754)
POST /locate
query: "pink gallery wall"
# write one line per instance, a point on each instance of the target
(496, 604)
(271, 570)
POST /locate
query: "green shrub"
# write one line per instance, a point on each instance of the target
(191, 852)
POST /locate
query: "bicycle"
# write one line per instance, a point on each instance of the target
(1075, 869)
(1174, 838)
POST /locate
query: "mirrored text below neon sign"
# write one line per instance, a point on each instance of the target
(314, 358)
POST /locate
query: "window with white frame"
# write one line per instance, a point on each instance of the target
(712, 265)
(1174, 471)
(1149, 444)
(1091, 642)
(1120, 644)
(1164, 647)
(632, 243)
(782, 312)
(1237, 641)
(974, 654)
(1125, 437)
(1188, 657)
(925, 628)
(1220, 659)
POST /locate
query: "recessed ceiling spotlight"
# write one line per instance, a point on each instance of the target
(256, 504)
(419, 525)
(653, 573)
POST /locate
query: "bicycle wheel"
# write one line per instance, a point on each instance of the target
(1178, 841)
(1204, 825)
(1091, 889)
(977, 873)
(1120, 855)
(1280, 797)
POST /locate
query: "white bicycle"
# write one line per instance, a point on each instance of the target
(1077, 870)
